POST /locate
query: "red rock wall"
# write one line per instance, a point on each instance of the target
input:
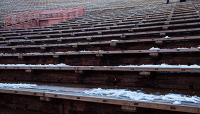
(41, 18)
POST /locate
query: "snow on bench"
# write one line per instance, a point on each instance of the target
(123, 94)
(134, 66)
(142, 96)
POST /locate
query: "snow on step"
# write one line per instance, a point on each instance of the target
(154, 49)
(141, 96)
(16, 86)
(162, 66)
(123, 94)
(182, 48)
(135, 66)
(166, 37)
(33, 65)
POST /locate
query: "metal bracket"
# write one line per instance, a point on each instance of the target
(159, 42)
(89, 38)
(20, 56)
(113, 43)
(45, 99)
(75, 46)
(3, 38)
(108, 28)
(28, 70)
(99, 55)
(123, 36)
(59, 40)
(145, 73)
(26, 38)
(99, 32)
(55, 56)
(129, 108)
(42, 47)
(167, 22)
(162, 34)
(72, 34)
(32, 41)
(154, 54)
(13, 49)
(165, 27)
(79, 71)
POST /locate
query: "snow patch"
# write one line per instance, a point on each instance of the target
(84, 51)
(154, 49)
(166, 37)
(162, 66)
(141, 96)
(182, 48)
(31, 65)
(90, 51)
(137, 66)
(114, 40)
(16, 86)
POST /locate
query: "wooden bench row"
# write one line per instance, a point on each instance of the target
(104, 58)
(142, 44)
(63, 29)
(155, 77)
(187, 6)
(146, 17)
(143, 20)
(122, 36)
(77, 35)
(66, 97)
(110, 30)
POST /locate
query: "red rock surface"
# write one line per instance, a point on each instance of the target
(41, 18)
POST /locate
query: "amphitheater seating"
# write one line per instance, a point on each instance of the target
(107, 47)
(153, 35)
